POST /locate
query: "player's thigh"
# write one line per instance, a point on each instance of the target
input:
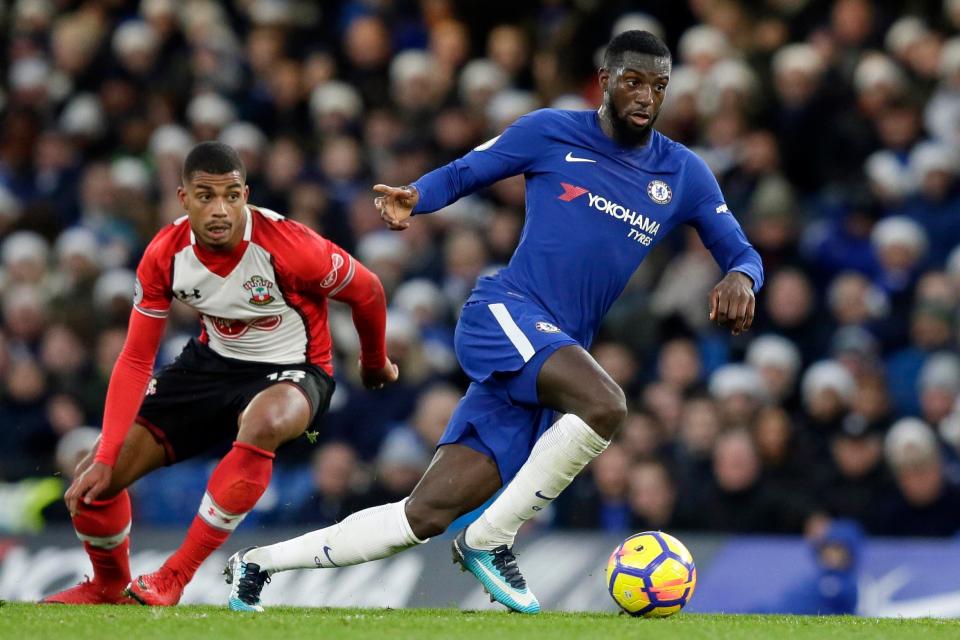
(140, 454)
(571, 381)
(275, 415)
(458, 480)
(279, 402)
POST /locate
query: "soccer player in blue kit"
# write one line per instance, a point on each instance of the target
(602, 189)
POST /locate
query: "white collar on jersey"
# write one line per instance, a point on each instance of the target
(247, 229)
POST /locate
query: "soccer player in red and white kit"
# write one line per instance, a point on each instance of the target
(259, 374)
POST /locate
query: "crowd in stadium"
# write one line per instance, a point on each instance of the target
(832, 127)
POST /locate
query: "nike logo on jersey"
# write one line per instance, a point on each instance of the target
(572, 158)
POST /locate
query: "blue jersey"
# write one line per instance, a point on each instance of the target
(594, 210)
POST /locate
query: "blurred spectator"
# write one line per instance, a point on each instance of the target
(790, 310)
(654, 499)
(833, 588)
(777, 361)
(925, 505)
(855, 480)
(939, 387)
(785, 457)
(739, 392)
(699, 429)
(599, 500)
(336, 481)
(736, 499)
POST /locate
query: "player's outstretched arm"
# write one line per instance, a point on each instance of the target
(732, 302)
(363, 291)
(128, 383)
(396, 205)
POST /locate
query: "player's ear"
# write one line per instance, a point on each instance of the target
(182, 197)
(246, 192)
(603, 75)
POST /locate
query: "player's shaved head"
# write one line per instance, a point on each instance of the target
(635, 42)
(212, 157)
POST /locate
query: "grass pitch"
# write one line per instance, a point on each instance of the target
(41, 622)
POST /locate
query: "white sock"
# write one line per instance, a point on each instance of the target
(557, 457)
(371, 534)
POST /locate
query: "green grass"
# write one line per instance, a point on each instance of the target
(41, 622)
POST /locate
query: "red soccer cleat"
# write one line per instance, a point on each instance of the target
(89, 592)
(162, 588)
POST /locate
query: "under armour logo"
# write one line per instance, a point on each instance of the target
(213, 514)
(183, 295)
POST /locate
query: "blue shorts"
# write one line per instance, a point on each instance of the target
(501, 345)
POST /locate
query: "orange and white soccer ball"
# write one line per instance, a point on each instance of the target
(651, 574)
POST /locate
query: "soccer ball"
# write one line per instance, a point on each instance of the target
(651, 574)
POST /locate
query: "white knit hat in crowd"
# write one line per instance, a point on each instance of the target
(800, 57)
(827, 375)
(244, 136)
(335, 97)
(910, 442)
(83, 116)
(637, 21)
(774, 351)
(135, 36)
(24, 245)
(170, 139)
(732, 379)
(899, 231)
(210, 109)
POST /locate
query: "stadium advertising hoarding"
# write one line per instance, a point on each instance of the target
(907, 578)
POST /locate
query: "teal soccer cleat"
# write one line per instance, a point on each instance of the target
(497, 571)
(247, 581)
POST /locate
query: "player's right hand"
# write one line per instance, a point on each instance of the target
(88, 485)
(396, 205)
(378, 378)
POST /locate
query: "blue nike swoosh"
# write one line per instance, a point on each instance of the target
(326, 552)
(543, 497)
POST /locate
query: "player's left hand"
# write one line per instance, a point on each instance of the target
(378, 378)
(88, 485)
(732, 303)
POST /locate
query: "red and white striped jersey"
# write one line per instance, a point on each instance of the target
(265, 301)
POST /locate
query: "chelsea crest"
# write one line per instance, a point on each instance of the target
(659, 191)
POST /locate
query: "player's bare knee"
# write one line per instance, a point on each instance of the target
(607, 412)
(268, 430)
(426, 521)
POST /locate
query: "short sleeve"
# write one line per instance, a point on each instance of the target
(309, 261)
(152, 289)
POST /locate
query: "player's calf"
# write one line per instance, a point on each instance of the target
(428, 520)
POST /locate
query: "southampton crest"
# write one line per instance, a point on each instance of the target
(259, 288)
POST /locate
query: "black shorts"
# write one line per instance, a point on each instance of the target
(195, 403)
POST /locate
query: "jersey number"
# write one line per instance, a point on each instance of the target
(294, 375)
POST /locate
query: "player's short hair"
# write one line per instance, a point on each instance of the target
(212, 157)
(637, 42)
